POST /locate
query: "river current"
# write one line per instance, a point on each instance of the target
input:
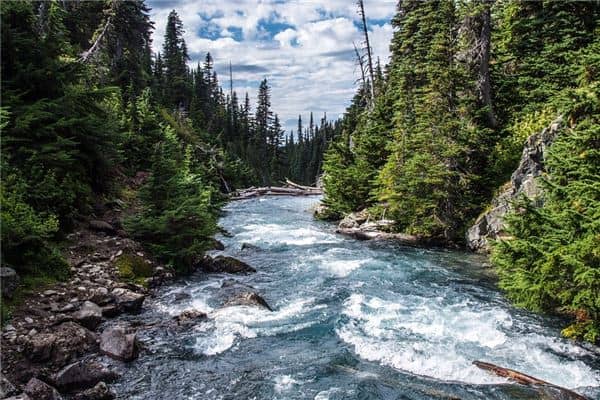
(351, 320)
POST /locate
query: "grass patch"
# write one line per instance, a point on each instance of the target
(133, 268)
(28, 285)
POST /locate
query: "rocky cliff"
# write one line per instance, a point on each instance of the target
(490, 225)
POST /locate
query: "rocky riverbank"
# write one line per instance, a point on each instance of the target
(63, 341)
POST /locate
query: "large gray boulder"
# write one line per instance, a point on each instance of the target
(38, 390)
(127, 300)
(9, 280)
(491, 224)
(89, 315)
(83, 375)
(225, 264)
(119, 343)
(61, 344)
(234, 293)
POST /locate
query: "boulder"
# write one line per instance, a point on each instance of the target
(354, 220)
(118, 343)
(71, 341)
(189, 317)
(6, 387)
(225, 264)
(248, 299)
(83, 375)
(100, 296)
(38, 390)
(9, 280)
(127, 300)
(111, 311)
(248, 246)
(216, 244)
(39, 347)
(101, 226)
(490, 224)
(99, 392)
(89, 315)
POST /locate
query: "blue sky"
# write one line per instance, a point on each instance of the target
(304, 48)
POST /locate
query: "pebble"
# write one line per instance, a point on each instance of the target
(32, 332)
(9, 328)
(50, 292)
(28, 320)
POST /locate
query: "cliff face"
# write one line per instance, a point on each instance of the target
(490, 225)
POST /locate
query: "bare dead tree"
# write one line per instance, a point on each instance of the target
(361, 64)
(87, 55)
(476, 28)
(361, 12)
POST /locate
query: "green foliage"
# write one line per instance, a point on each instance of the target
(26, 234)
(180, 210)
(133, 268)
(552, 260)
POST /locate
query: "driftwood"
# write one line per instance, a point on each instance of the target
(524, 379)
(364, 234)
(290, 189)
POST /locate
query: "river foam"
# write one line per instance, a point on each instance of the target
(426, 336)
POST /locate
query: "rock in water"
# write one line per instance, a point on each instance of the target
(490, 225)
(248, 299)
(225, 264)
(118, 343)
(189, 317)
(89, 315)
(127, 300)
(83, 375)
(9, 280)
(99, 392)
(38, 390)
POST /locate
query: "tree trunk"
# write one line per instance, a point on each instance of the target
(483, 81)
(361, 11)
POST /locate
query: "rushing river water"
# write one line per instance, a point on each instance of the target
(351, 320)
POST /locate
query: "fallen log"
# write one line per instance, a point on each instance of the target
(362, 234)
(297, 186)
(524, 379)
(289, 190)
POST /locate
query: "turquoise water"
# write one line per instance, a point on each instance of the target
(351, 320)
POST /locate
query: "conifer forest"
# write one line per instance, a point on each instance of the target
(150, 210)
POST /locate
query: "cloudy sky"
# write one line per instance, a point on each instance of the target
(303, 47)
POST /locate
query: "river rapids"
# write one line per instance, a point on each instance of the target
(351, 320)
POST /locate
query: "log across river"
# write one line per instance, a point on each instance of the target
(351, 319)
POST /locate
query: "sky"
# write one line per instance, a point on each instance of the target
(304, 48)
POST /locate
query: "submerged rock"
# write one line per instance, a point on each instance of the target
(189, 317)
(119, 343)
(83, 375)
(490, 225)
(216, 244)
(38, 390)
(225, 264)
(9, 280)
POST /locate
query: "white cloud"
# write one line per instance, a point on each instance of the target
(304, 48)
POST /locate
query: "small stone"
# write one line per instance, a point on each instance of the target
(28, 320)
(32, 332)
(9, 328)
(50, 292)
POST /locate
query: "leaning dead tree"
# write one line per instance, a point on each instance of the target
(361, 12)
(87, 55)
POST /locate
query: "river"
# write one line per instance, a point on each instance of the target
(351, 320)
